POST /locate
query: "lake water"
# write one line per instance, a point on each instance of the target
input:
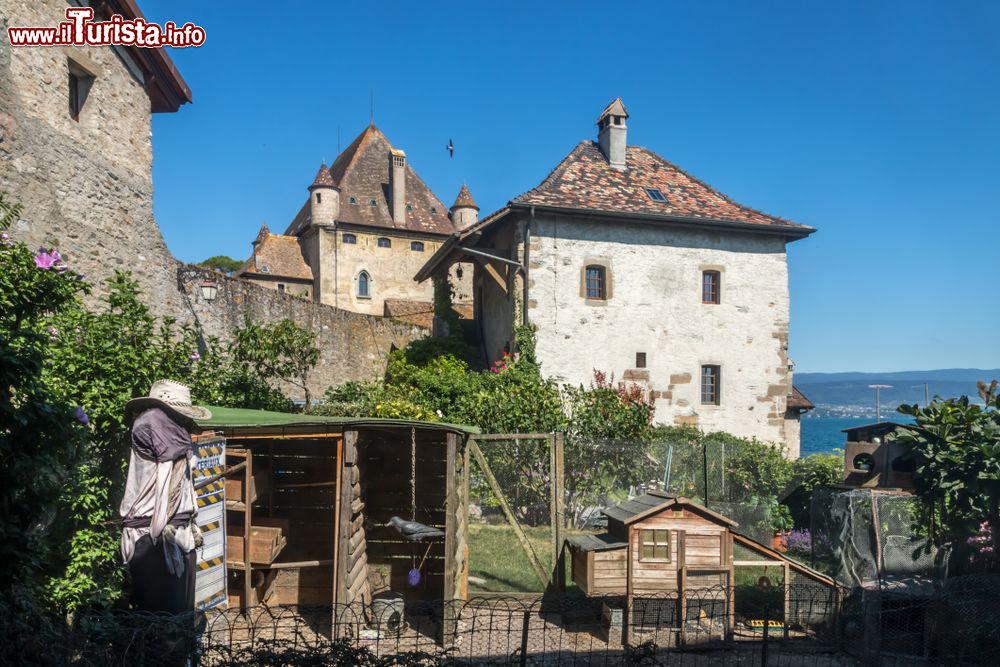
(821, 435)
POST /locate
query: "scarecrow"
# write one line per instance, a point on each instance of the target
(159, 536)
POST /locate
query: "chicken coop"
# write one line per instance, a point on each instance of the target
(323, 510)
(668, 551)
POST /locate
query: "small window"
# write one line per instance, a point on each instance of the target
(80, 82)
(409, 208)
(655, 194)
(640, 359)
(417, 246)
(711, 378)
(433, 210)
(281, 287)
(710, 286)
(350, 239)
(364, 285)
(372, 202)
(655, 545)
(596, 282)
(319, 197)
(383, 242)
(353, 201)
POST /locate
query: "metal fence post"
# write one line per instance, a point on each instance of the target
(763, 646)
(524, 637)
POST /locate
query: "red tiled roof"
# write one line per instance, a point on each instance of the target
(276, 256)
(421, 313)
(323, 178)
(798, 401)
(464, 199)
(585, 180)
(361, 171)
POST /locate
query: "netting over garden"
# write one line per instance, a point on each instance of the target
(874, 539)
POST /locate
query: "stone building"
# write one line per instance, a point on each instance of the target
(368, 225)
(76, 147)
(628, 265)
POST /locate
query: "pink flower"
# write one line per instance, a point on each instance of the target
(194, 356)
(45, 259)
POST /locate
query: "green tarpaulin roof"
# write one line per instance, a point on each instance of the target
(240, 418)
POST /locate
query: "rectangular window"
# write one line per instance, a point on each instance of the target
(596, 283)
(281, 287)
(655, 545)
(80, 82)
(710, 286)
(655, 194)
(711, 384)
(640, 359)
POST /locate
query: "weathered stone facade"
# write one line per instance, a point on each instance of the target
(86, 186)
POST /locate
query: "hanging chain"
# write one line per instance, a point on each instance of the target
(413, 474)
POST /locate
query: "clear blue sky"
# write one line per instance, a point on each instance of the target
(876, 122)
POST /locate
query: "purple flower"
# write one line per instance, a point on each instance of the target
(194, 356)
(53, 332)
(81, 415)
(45, 259)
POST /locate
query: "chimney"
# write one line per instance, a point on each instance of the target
(611, 131)
(464, 212)
(397, 184)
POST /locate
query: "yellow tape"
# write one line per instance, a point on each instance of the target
(212, 562)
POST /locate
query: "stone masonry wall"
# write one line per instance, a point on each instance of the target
(87, 189)
(655, 307)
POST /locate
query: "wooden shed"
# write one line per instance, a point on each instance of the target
(651, 541)
(309, 501)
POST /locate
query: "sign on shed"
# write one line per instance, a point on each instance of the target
(210, 578)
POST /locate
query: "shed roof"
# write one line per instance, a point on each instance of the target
(653, 502)
(605, 542)
(231, 418)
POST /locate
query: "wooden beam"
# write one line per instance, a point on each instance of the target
(513, 436)
(509, 513)
(449, 627)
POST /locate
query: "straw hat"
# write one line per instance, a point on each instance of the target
(172, 397)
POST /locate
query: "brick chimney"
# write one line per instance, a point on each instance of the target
(611, 133)
(397, 185)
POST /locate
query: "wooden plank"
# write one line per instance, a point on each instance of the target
(512, 436)
(511, 519)
(449, 628)
(629, 587)
(558, 482)
(247, 517)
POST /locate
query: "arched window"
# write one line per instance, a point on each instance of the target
(596, 284)
(417, 246)
(364, 285)
(350, 238)
(383, 242)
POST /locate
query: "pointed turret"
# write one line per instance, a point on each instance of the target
(324, 198)
(464, 212)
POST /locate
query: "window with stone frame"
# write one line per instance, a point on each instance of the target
(711, 385)
(350, 239)
(654, 545)
(364, 285)
(417, 246)
(596, 282)
(711, 286)
(384, 242)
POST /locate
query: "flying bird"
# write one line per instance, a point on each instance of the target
(451, 148)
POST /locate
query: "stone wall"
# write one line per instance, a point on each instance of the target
(86, 187)
(655, 307)
(352, 346)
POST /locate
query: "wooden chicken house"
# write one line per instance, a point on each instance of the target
(323, 510)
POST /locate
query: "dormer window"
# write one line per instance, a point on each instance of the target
(353, 201)
(433, 210)
(655, 194)
(372, 202)
(409, 208)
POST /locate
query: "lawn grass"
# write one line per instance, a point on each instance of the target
(496, 556)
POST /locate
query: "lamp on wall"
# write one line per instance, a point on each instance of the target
(458, 272)
(209, 289)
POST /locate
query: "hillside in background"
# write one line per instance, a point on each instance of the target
(848, 394)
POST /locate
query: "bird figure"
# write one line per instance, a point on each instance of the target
(451, 148)
(414, 530)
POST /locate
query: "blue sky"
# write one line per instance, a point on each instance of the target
(876, 122)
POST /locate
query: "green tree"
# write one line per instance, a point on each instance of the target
(956, 450)
(223, 263)
(283, 351)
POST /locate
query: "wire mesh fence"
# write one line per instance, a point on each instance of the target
(497, 630)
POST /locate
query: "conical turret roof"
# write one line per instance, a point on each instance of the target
(464, 199)
(323, 178)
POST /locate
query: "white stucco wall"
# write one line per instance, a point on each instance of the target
(655, 307)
